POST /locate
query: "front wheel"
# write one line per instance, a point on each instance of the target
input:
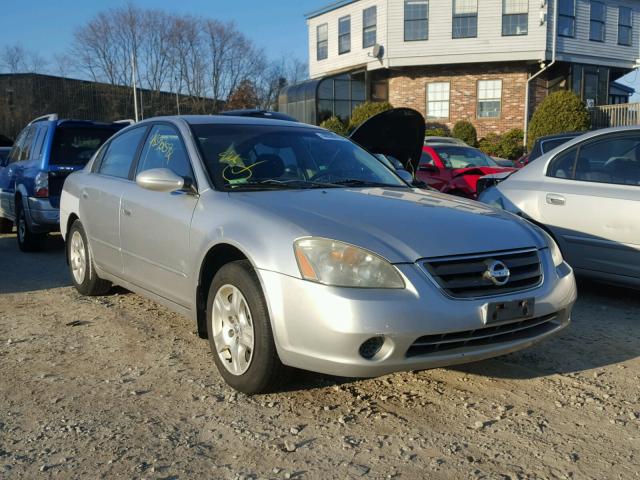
(83, 271)
(28, 241)
(240, 332)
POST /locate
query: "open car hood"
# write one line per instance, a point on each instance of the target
(398, 132)
(480, 171)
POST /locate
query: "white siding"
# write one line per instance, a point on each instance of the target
(489, 46)
(581, 49)
(440, 48)
(357, 55)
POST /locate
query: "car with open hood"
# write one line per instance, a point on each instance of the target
(455, 169)
(291, 246)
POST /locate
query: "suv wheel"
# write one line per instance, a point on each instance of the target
(83, 272)
(28, 241)
(6, 225)
(240, 332)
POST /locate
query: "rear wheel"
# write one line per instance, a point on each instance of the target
(6, 225)
(28, 241)
(83, 272)
(240, 332)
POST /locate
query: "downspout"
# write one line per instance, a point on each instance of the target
(554, 42)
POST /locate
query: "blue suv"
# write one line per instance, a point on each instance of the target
(31, 177)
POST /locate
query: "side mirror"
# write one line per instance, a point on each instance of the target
(406, 176)
(160, 180)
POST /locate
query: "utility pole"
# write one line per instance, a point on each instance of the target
(135, 93)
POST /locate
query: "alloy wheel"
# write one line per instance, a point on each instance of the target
(77, 257)
(233, 332)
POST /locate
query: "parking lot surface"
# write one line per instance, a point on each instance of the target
(119, 387)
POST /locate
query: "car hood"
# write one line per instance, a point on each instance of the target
(398, 132)
(480, 171)
(402, 225)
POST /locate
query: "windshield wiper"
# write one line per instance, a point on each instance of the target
(354, 182)
(297, 183)
(273, 184)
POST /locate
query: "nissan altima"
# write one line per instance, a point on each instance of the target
(291, 246)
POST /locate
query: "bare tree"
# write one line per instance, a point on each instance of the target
(63, 65)
(201, 58)
(13, 59)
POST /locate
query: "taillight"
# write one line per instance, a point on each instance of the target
(42, 185)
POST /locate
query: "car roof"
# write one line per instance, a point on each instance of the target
(230, 120)
(449, 144)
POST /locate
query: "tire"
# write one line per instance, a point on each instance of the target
(83, 271)
(255, 366)
(6, 225)
(28, 241)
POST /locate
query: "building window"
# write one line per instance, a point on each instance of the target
(416, 20)
(567, 18)
(598, 17)
(438, 100)
(489, 98)
(625, 26)
(465, 18)
(515, 17)
(344, 35)
(369, 27)
(322, 45)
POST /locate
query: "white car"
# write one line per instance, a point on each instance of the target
(586, 193)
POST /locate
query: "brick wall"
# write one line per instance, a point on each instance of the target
(408, 88)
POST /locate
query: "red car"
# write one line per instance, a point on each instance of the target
(455, 169)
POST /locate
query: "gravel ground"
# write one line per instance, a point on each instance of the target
(119, 387)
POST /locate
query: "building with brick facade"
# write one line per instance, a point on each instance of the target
(487, 61)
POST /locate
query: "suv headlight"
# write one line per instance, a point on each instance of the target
(556, 254)
(342, 265)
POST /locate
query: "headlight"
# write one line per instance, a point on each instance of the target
(342, 265)
(556, 254)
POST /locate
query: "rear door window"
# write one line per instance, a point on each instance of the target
(27, 146)
(120, 153)
(16, 151)
(610, 159)
(75, 145)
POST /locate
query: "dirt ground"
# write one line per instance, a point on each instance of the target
(119, 387)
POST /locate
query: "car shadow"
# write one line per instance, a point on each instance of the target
(27, 272)
(604, 330)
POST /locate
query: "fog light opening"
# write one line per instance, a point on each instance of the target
(371, 347)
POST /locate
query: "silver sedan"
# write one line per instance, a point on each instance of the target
(290, 246)
(586, 193)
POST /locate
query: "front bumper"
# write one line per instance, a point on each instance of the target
(41, 216)
(321, 328)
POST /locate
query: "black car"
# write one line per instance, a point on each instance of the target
(258, 113)
(547, 143)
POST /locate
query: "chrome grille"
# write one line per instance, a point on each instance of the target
(463, 276)
(519, 330)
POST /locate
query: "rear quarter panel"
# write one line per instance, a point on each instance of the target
(70, 200)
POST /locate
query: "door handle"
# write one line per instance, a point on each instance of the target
(126, 211)
(555, 199)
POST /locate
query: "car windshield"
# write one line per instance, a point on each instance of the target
(75, 145)
(267, 157)
(463, 157)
